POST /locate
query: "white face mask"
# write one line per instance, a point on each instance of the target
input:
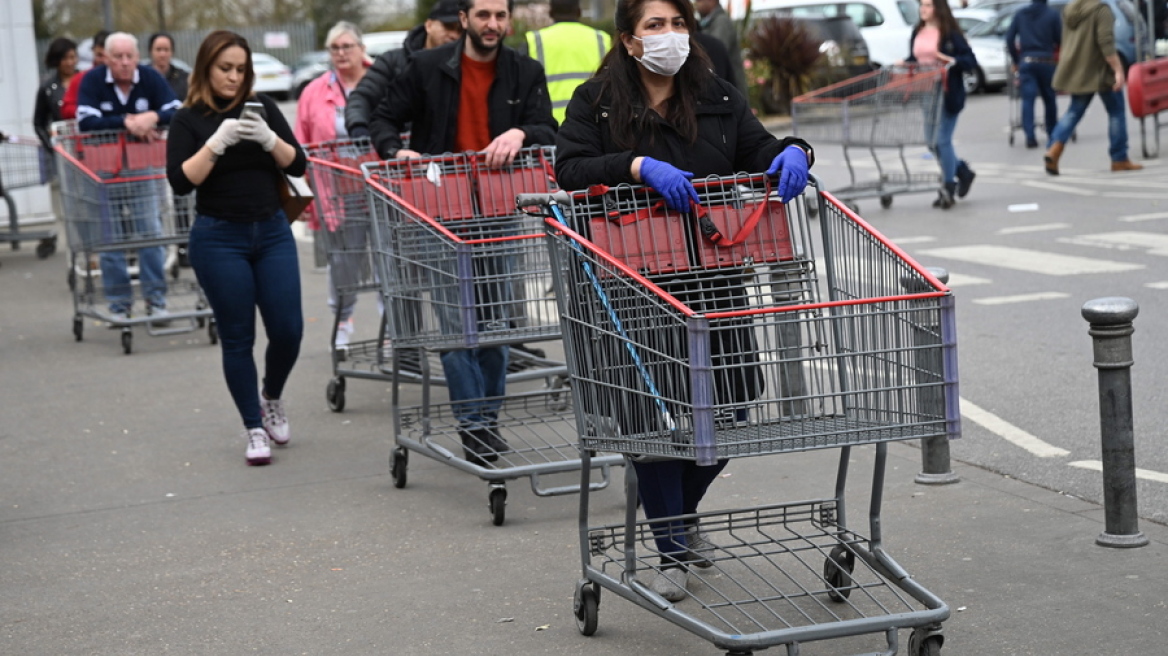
(664, 54)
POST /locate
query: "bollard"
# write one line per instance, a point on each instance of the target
(935, 466)
(1111, 330)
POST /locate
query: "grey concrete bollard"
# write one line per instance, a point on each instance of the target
(935, 465)
(1111, 331)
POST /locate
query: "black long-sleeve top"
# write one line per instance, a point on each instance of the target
(243, 184)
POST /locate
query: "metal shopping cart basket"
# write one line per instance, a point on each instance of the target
(342, 207)
(461, 268)
(882, 112)
(24, 162)
(116, 199)
(681, 348)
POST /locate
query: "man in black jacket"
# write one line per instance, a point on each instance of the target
(473, 95)
(440, 28)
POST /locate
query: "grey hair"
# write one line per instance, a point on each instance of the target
(122, 36)
(342, 27)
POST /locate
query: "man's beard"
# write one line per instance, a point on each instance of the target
(481, 48)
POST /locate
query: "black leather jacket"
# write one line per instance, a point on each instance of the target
(375, 85)
(48, 107)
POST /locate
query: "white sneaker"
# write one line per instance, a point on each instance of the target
(344, 332)
(698, 542)
(275, 421)
(258, 450)
(670, 583)
(118, 319)
(159, 316)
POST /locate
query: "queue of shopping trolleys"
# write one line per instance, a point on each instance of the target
(24, 163)
(852, 345)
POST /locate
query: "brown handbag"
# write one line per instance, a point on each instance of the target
(295, 196)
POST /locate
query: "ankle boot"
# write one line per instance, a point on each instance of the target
(1051, 158)
(965, 176)
(945, 195)
(1126, 165)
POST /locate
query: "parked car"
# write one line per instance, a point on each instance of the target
(271, 76)
(306, 69)
(843, 44)
(886, 25)
(971, 17)
(379, 42)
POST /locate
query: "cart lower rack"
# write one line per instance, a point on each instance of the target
(24, 162)
(685, 347)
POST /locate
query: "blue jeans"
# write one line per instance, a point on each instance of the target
(939, 134)
(1036, 79)
(241, 267)
(669, 488)
(1116, 121)
(138, 217)
(476, 380)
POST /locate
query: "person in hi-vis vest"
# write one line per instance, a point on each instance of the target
(569, 51)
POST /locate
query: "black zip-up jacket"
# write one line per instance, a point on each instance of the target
(374, 86)
(730, 140)
(48, 107)
(1036, 31)
(427, 94)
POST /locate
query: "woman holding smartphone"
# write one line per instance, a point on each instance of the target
(233, 147)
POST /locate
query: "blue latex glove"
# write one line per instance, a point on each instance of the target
(791, 165)
(671, 182)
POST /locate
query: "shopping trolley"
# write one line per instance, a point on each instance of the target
(116, 198)
(24, 162)
(882, 112)
(713, 336)
(460, 268)
(1014, 107)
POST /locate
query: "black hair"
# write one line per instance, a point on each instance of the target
(159, 35)
(57, 51)
(99, 38)
(466, 5)
(620, 80)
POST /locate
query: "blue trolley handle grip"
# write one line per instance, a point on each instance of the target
(558, 213)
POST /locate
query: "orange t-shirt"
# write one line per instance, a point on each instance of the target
(474, 132)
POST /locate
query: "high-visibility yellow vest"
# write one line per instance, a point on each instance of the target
(570, 53)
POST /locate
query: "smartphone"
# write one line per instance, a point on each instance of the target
(256, 109)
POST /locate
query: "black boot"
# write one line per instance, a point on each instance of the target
(945, 196)
(965, 176)
(494, 445)
(473, 448)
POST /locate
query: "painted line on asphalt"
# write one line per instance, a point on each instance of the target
(1023, 259)
(1060, 188)
(962, 280)
(1133, 195)
(922, 239)
(1033, 228)
(1154, 243)
(1009, 432)
(1020, 298)
(1146, 474)
(1157, 285)
(1151, 216)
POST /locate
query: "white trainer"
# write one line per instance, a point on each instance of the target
(698, 542)
(344, 333)
(258, 450)
(670, 583)
(275, 421)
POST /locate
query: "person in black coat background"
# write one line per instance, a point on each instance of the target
(61, 60)
(655, 114)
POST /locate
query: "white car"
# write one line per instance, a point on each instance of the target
(271, 76)
(886, 24)
(379, 42)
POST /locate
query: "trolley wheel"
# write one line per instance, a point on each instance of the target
(399, 459)
(585, 606)
(78, 328)
(837, 572)
(127, 342)
(886, 201)
(213, 332)
(46, 247)
(336, 394)
(497, 502)
(928, 645)
(853, 207)
(812, 210)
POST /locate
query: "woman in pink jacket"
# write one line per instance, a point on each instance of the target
(320, 116)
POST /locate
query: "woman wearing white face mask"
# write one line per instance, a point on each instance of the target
(656, 114)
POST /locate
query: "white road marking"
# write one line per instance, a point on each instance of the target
(1009, 432)
(922, 239)
(1033, 228)
(1157, 285)
(962, 280)
(1146, 474)
(1152, 216)
(1133, 195)
(1022, 259)
(1020, 298)
(1155, 243)
(1078, 191)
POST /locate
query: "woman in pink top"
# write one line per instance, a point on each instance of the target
(320, 117)
(937, 41)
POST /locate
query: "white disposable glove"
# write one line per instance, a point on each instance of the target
(255, 129)
(226, 136)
